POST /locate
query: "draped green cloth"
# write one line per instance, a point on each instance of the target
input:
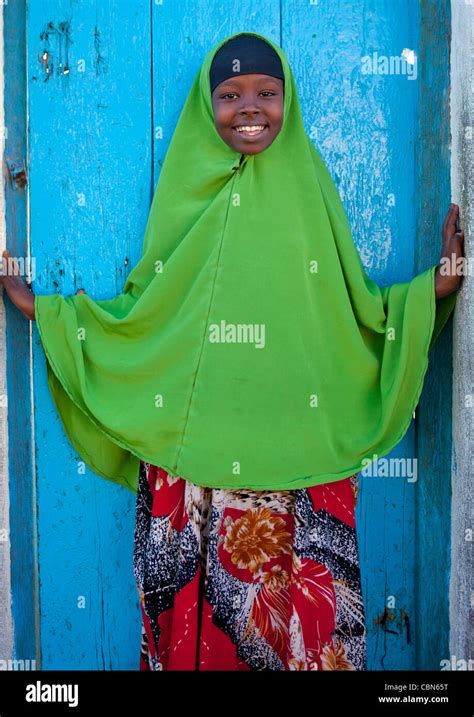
(249, 348)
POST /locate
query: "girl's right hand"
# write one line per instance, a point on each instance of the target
(17, 290)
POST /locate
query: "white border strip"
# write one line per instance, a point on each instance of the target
(461, 595)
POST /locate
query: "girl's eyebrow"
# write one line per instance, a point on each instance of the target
(262, 80)
(269, 78)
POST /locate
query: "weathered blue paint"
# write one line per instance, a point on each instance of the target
(365, 127)
(22, 538)
(434, 425)
(97, 141)
(90, 187)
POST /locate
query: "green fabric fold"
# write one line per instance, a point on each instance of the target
(326, 368)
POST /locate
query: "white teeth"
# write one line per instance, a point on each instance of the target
(253, 128)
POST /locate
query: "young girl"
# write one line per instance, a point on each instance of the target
(241, 379)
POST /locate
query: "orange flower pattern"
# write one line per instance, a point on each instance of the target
(255, 538)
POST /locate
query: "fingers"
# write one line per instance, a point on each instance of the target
(450, 223)
(12, 267)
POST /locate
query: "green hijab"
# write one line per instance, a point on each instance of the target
(249, 348)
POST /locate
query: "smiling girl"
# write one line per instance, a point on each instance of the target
(244, 462)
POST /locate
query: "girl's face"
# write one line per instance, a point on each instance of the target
(248, 101)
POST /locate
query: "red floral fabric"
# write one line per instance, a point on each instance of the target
(247, 580)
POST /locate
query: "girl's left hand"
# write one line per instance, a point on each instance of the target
(448, 276)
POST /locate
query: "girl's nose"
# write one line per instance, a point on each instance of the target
(249, 104)
(249, 111)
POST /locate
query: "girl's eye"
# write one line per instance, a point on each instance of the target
(263, 92)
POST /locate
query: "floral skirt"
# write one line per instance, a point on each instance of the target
(247, 580)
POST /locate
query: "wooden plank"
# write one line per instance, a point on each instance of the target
(21, 484)
(89, 88)
(434, 424)
(364, 126)
(6, 623)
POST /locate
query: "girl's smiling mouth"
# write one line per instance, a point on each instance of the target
(250, 130)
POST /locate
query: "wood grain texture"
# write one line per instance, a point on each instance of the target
(24, 598)
(364, 126)
(90, 188)
(6, 625)
(434, 423)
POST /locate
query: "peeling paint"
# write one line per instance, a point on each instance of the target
(99, 62)
(58, 55)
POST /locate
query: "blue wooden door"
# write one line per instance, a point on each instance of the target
(106, 84)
